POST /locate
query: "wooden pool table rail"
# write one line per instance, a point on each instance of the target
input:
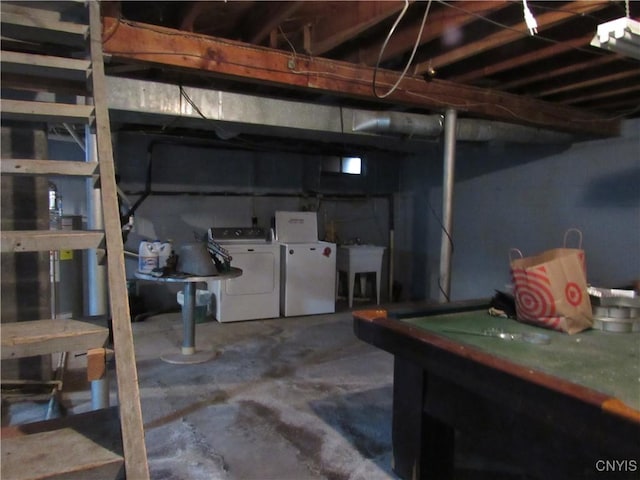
(608, 404)
(551, 427)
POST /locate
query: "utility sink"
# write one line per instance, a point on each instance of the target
(357, 259)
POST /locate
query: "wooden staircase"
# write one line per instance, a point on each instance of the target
(49, 54)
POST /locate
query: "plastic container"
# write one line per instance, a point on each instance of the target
(202, 309)
(147, 257)
(55, 208)
(163, 249)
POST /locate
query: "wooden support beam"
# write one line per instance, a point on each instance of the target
(246, 63)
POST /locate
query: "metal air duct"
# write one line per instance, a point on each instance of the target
(470, 130)
(230, 114)
(398, 123)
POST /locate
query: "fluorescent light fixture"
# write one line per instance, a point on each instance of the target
(621, 36)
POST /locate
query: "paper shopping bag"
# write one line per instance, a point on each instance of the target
(550, 289)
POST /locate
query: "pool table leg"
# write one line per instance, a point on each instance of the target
(423, 446)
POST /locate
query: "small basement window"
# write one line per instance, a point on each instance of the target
(346, 165)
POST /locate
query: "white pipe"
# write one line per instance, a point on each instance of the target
(447, 204)
(96, 274)
(100, 393)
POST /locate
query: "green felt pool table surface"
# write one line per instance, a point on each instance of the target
(553, 408)
(604, 361)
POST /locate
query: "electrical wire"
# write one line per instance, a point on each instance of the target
(529, 19)
(384, 45)
(413, 53)
(446, 232)
(293, 49)
(191, 102)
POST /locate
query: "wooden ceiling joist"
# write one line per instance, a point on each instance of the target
(351, 19)
(631, 89)
(614, 77)
(503, 37)
(438, 21)
(266, 17)
(243, 62)
(524, 59)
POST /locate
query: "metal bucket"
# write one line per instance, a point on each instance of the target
(195, 260)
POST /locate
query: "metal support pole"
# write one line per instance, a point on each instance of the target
(100, 393)
(96, 273)
(447, 203)
(188, 319)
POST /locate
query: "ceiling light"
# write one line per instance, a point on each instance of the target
(621, 36)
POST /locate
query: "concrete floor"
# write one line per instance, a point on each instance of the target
(296, 398)
(290, 398)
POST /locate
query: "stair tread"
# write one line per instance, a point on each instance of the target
(60, 6)
(39, 337)
(44, 65)
(41, 30)
(25, 23)
(46, 111)
(84, 446)
(45, 240)
(28, 166)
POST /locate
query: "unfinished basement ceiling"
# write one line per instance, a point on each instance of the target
(476, 56)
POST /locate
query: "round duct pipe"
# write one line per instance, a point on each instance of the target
(470, 130)
(399, 123)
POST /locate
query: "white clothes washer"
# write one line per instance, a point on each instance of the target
(308, 266)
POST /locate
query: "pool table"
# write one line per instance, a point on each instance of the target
(567, 408)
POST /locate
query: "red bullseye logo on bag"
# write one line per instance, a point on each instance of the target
(573, 293)
(327, 252)
(550, 288)
(534, 298)
(534, 293)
